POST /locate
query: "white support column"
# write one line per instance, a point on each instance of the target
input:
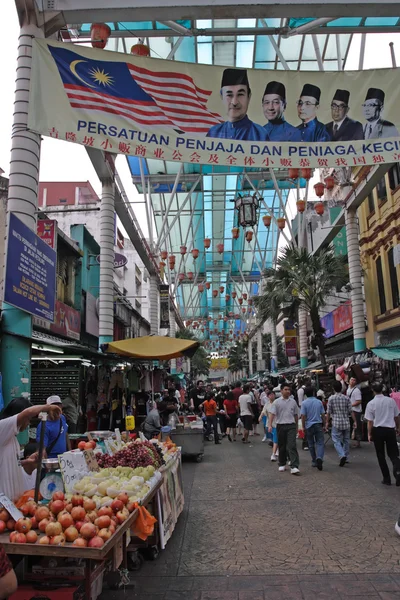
(107, 235)
(355, 275)
(274, 347)
(303, 338)
(259, 350)
(154, 297)
(250, 351)
(172, 331)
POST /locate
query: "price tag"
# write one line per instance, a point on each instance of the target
(91, 460)
(10, 507)
(73, 467)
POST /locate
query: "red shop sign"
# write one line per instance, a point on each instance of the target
(46, 229)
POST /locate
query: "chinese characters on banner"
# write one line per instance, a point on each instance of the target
(164, 306)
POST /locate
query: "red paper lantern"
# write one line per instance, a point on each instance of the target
(267, 220)
(181, 276)
(209, 319)
(281, 223)
(329, 182)
(240, 301)
(188, 323)
(319, 189)
(162, 265)
(183, 250)
(164, 254)
(195, 253)
(201, 288)
(221, 289)
(243, 310)
(215, 293)
(249, 236)
(227, 297)
(225, 319)
(171, 260)
(306, 173)
(234, 294)
(140, 50)
(235, 233)
(237, 316)
(220, 248)
(190, 275)
(244, 296)
(301, 205)
(293, 173)
(250, 302)
(99, 34)
(319, 208)
(207, 243)
(215, 321)
(208, 285)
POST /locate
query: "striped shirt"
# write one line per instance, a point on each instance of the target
(339, 408)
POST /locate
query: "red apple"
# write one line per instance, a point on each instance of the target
(96, 542)
(23, 525)
(81, 445)
(88, 531)
(31, 537)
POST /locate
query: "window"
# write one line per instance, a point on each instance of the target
(381, 191)
(393, 280)
(371, 203)
(394, 176)
(381, 286)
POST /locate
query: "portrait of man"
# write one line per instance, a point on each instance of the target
(342, 128)
(274, 105)
(311, 129)
(375, 126)
(236, 95)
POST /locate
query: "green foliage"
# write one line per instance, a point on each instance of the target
(237, 357)
(200, 362)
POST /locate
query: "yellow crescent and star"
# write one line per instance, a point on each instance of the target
(98, 76)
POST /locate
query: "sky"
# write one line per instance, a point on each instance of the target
(63, 161)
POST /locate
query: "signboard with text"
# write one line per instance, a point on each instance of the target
(67, 321)
(47, 231)
(30, 282)
(338, 320)
(164, 306)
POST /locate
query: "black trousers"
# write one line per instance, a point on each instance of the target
(382, 436)
(212, 422)
(287, 445)
(72, 427)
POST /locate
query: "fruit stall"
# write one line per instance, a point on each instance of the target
(110, 507)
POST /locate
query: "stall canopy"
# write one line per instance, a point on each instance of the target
(389, 352)
(153, 348)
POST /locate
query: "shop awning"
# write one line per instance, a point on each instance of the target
(153, 348)
(389, 352)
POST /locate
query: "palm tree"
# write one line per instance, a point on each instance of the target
(237, 357)
(303, 280)
(269, 306)
(200, 361)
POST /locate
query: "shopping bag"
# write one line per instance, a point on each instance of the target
(144, 524)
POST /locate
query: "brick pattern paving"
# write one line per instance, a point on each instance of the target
(249, 532)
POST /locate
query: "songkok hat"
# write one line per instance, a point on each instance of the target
(274, 87)
(342, 96)
(53, 400)
(311, 90)
(375, 93)
(234, 77)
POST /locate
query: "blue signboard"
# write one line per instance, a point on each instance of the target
(30, 272)
(327, 324)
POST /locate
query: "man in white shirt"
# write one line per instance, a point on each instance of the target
(284, 412)
(354, 394)
(382, 414)
(246, 412)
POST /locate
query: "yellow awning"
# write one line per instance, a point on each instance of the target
(152, 347)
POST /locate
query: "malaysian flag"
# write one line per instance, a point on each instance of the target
(148, 98)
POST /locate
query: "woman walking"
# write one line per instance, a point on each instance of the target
(231, 407)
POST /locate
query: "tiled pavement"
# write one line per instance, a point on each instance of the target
(251, 533)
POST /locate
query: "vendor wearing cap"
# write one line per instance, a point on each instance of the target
(236, 94)
(376, 127)
(342, 128)
(311, 129)
(274, 105)
(55, 437)
(14, 419)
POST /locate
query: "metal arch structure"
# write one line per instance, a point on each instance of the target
(185, 204)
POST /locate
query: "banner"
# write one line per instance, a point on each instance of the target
(219, 364)
(337, 321)
(30, 282)
(290, 339)
(67, 321)
(164, 306)
(171, 498)
(204, 114)
(46, 229)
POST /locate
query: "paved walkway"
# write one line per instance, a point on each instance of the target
(249, 532)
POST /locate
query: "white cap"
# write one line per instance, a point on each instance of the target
(53, 400)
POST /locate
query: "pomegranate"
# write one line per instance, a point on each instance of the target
(57, 506)
(12, 536)
(2, 526)
(95, 542)
(112, 528)
(4, 516)
(43, 524)
(32, 506)
(58, 496)
(123, 496)
(69, 507)
(78, 513)
(88, 531)
(103, 522)
(66, 520)
(131, 506)
(121, 517)
(104, 534)
(25, 510)
(77, 500)
(90, 445)
(34, 522)
(44, 540)
(58, 540)
(89, 504)
(31, 537)
(79, 524)
(20, 538)
(105, 510)
(92, 515)
(81, 445)
(23, 525)
(53, 529)
(10, 524)
(42, 513)
(71, 534)
(80, 542)
(117, 505)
